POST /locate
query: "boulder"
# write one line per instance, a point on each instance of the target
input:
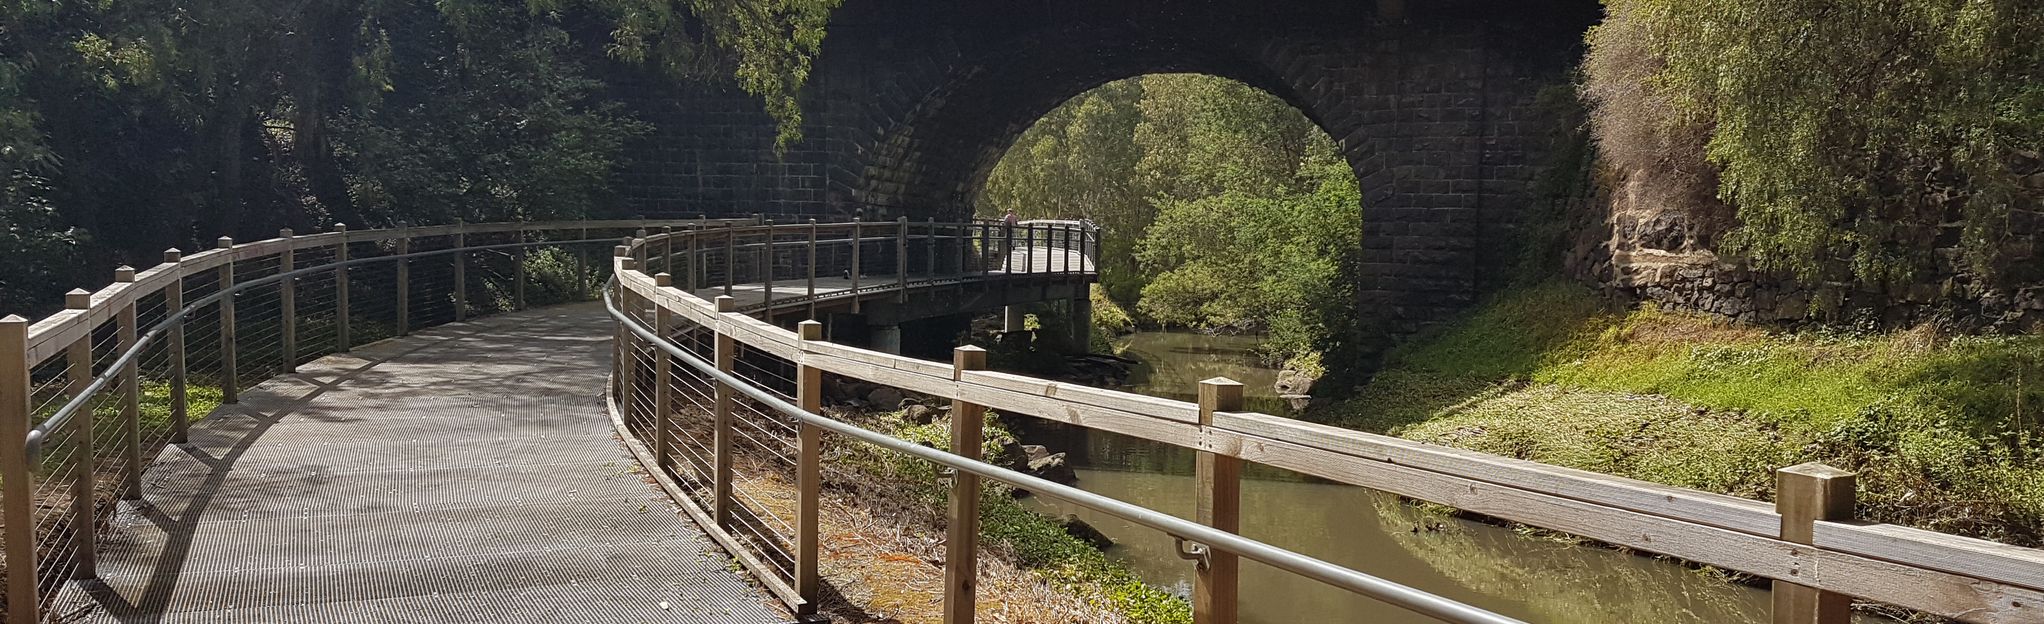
(1085, 532)
(1291, 382)
(1047, 465)
(1298, 402)
(884, 397)
(918, 414)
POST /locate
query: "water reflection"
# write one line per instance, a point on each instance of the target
(1172, 363)
(1535, 579)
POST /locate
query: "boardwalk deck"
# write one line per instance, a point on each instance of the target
(1046, 261)
(465, 474)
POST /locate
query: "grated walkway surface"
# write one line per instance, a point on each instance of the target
(1022, 261)
(468, 473)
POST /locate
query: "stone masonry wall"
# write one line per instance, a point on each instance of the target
(1667, 256)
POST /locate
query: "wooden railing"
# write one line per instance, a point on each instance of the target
(789, 263)
(89, 395)
(1806, 542)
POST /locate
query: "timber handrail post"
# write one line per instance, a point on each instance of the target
(961, 542)
(808, 475)
(667, 249)
(1804, 494)
(622, 348)
(641, 252)
(460, 271)
(582, 280)
(963, 235)
(812, 269)
(1219, 505)
(78, 374)
(230, 384)
(730, 257)
(518, 271)
(726, 355)
(173, 301)
(17, 484)
(344, 314)
(930, 249)
(1064, 248)
(901, 259)
(404, 286)
(854, 272)
(766, 268)
(1029, 249)
(131, 394)
(663, 374)
(689, 250)
(287, 301)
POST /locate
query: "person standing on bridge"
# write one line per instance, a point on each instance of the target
(1008, 222)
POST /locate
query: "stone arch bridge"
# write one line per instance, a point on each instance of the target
(912, 101)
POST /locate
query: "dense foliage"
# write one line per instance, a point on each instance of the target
(127, 126)
(1225, 207)
(1848, 135)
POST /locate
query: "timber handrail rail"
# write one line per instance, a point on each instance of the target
(100, 382)
(48, 541)
(1402, 596)
(1956, 577)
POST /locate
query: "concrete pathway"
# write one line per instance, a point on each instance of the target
(468, 473)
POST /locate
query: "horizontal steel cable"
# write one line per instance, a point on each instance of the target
(1401, 596)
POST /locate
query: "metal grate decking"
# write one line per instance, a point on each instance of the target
(465, 474)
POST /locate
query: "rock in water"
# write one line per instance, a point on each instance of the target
(1291, 382)
(1050, 466)
(1085, 532)
(1298, 402)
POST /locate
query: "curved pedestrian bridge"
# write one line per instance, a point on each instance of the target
(396, 429)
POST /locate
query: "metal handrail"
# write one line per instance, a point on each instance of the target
(1408, 598)
(33, 444)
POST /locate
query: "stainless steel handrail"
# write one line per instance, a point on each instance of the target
(1401, 596)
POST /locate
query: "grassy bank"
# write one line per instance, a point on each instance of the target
(1009, 530)
(1946, 431)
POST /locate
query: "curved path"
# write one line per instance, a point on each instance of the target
(468, 473)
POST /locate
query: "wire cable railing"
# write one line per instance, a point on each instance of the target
(90, 395)
(693, 305)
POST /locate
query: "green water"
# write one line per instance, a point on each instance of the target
(1535, 579)
(1172, 363)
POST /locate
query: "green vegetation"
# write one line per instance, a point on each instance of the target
(1037, 542)
(1847, 135)
(1947, 432)
(1226, 209)
(242, 116)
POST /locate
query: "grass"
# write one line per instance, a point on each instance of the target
(1033, 541)
(1946, 431)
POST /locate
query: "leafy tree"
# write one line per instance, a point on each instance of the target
(1227, 208)
(1080, 161)
(151, 123)
(1847, 133)
(532, 142)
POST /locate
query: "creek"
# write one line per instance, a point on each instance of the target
(1534, 578)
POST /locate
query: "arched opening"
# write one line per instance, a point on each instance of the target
(1224, 208)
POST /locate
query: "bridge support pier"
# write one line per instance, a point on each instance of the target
(1011, 319)
(885, 338)
(1079, 322)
